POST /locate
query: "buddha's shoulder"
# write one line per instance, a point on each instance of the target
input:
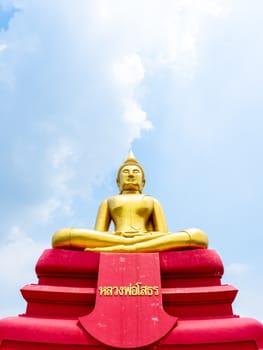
(139, 197)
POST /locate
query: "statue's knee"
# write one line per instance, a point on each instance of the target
(197, 237)
(61, 239)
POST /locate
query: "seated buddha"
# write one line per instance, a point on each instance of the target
(139, 222)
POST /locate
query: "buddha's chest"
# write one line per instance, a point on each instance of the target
(131, 206)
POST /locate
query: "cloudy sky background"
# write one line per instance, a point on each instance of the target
(81, 82)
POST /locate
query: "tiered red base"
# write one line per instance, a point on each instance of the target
(197, 306)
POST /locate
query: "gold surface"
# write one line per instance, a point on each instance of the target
(139, 222)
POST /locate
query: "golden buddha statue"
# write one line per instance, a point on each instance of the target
(139, 222)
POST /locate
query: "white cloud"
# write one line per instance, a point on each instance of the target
(128, 73)
(61, 155)
(3, 46)
(136, 119)
(129, 70)
(62, 158)
(18, 255)
(46, 210)
(237, 268)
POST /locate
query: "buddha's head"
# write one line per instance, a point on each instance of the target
(130, 175)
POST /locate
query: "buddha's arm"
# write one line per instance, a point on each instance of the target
(158, 218)
(103, 217)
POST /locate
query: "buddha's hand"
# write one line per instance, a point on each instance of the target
(131, 234)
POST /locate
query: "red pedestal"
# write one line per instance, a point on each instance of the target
(171, 300)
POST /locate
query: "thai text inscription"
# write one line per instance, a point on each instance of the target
(131, 289)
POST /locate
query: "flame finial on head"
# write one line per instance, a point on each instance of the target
(131, 155)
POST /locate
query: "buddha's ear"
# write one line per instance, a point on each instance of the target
(118, 182)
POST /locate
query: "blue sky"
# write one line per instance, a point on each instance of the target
(179, 82)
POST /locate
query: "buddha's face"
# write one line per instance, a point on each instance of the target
(130, 178)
